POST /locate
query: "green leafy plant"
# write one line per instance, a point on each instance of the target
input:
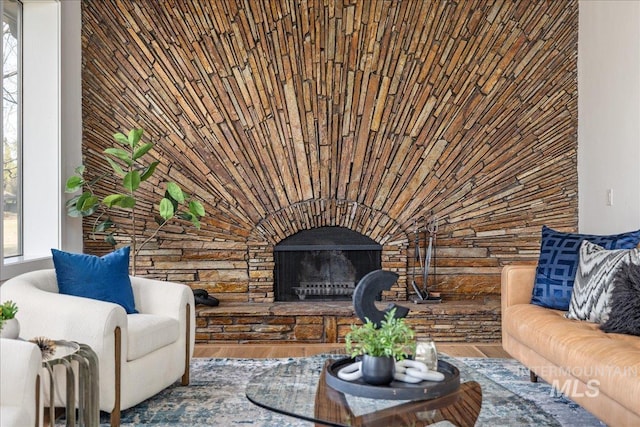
(8, 310)
(127, 163)
(394, 338)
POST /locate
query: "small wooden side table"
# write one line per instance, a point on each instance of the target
(67, 352)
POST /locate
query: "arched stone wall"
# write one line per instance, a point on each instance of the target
(280, 115)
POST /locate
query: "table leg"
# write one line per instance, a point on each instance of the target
(71, 394)
(91, 386)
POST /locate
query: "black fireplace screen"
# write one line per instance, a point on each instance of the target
(323, 263)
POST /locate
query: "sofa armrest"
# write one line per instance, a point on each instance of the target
(517, 284)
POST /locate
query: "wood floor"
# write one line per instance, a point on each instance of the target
(257, 351)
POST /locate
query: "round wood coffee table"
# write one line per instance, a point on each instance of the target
(279, 389)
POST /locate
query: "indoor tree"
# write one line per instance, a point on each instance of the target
(126, 162)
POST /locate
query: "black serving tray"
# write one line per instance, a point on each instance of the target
(397, 390)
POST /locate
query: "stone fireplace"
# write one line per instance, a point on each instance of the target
(350, 237)
(363, 115)
(323, 263)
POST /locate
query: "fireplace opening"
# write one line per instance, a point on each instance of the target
(323, 263)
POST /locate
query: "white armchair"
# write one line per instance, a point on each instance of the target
(139, 354)
(21, 402)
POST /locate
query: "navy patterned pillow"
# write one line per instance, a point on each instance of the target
(558, 262)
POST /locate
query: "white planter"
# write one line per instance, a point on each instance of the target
(10, 329)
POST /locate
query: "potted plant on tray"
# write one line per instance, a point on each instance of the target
(381, 347)
(9, 326)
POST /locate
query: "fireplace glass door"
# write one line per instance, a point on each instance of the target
(323, 264)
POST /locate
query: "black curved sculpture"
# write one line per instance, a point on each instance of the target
(366, 293)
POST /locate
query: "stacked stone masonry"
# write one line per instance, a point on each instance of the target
(329, 322)
(369, 115)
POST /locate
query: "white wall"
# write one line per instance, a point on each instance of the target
(70, 116)
(609, 115)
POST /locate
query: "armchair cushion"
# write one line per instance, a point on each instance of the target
(103, 278)
(149, 332)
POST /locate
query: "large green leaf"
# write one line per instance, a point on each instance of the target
(142, 150)
(116, 167)
(131, 181)
(196, 208)
(134, 137)
(127, 202)
(86, 204)
(112, 199)
(121, 154)
(120, 200)
(175, 191)
(172, 200)
(104, 225)
(188, 216)
(121, 138)
(166, 209)
(149, 171)
(74, 183)
(72, 210)
(72, 201)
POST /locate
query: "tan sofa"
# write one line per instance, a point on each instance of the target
(599, 371)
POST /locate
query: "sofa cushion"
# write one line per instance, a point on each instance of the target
(590, 299)
(149, 332)
(579, 348)
(558, 263)
(624, 317)
(103, 278)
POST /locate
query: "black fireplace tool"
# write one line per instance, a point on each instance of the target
(424, 296)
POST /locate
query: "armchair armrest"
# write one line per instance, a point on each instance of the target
(57, 316)
(159, 297)
(167, 299)
(517, 284)
(20, 365)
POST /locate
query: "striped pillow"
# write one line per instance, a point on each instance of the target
(591, 296)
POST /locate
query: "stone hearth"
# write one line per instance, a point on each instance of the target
(328, 322)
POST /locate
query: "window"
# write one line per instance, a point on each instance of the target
(43, 131)
(11, 132)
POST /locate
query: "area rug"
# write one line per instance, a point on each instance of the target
(216, 397)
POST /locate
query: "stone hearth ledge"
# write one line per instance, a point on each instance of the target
(329, 321)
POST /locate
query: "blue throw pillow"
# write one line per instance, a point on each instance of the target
(558, 262)
(103, 278)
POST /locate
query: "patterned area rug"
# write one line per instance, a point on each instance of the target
(216, 397)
